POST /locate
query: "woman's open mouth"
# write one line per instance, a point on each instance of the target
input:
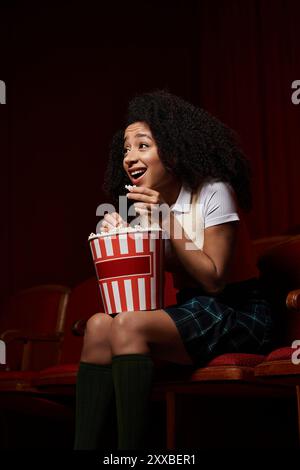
(136, 176)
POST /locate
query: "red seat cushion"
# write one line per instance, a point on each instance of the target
(62, 374)
(17, 374)
(279, 367)
(16, 380)
(280, 354)
(236, 359)
(230, 366)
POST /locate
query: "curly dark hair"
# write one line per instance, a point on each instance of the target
(192, 144)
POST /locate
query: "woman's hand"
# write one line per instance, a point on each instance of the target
(149, 203)
(112, 220)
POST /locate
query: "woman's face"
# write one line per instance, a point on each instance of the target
(141, 154)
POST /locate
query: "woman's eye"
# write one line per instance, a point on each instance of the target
(140, 146)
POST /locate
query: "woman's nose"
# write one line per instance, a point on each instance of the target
(130, 158)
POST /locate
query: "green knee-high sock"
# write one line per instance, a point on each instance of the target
(132, 375)
(94, 405)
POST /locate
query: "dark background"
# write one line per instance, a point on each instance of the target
(70, 71)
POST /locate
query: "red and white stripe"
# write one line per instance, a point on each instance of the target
(129, 269)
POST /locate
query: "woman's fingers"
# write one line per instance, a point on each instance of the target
(112, 220)
(140, 208)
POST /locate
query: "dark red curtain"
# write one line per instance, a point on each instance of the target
(249, 55)
(70, 72)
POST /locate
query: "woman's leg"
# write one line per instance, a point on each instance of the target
(148, 332)
(127, 340)
(134, 335)
(94, 389)
(96, 343)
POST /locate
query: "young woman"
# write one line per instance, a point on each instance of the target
(175, 154)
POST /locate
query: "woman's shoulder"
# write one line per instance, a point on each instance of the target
(213, 187)
(218, 202)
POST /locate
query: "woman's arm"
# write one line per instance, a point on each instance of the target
(208, 266)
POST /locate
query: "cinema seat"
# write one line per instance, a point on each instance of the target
(280, 268)
(32, 323)
(84, 302)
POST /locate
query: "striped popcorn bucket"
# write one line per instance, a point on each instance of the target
(129, 269)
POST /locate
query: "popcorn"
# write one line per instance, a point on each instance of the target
(129, 186)
(119, 230)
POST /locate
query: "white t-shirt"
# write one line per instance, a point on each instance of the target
(215, 205)
(218, 203)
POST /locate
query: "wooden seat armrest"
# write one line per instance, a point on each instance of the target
(19, 336)
(293, 300)
(7, 334)
(28, 341)
(78, 327)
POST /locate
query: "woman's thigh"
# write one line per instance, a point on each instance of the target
(158, 330)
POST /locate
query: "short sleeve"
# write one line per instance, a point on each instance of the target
(219, 205)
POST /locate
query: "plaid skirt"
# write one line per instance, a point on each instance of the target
(236, 320)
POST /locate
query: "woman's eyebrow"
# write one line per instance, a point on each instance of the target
(140, 135)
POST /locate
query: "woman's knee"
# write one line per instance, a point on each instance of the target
(98, 326)
(125, 323)
(127, 328)
(96, 343)
(127, 336)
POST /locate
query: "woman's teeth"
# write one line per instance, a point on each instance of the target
(138, 174)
